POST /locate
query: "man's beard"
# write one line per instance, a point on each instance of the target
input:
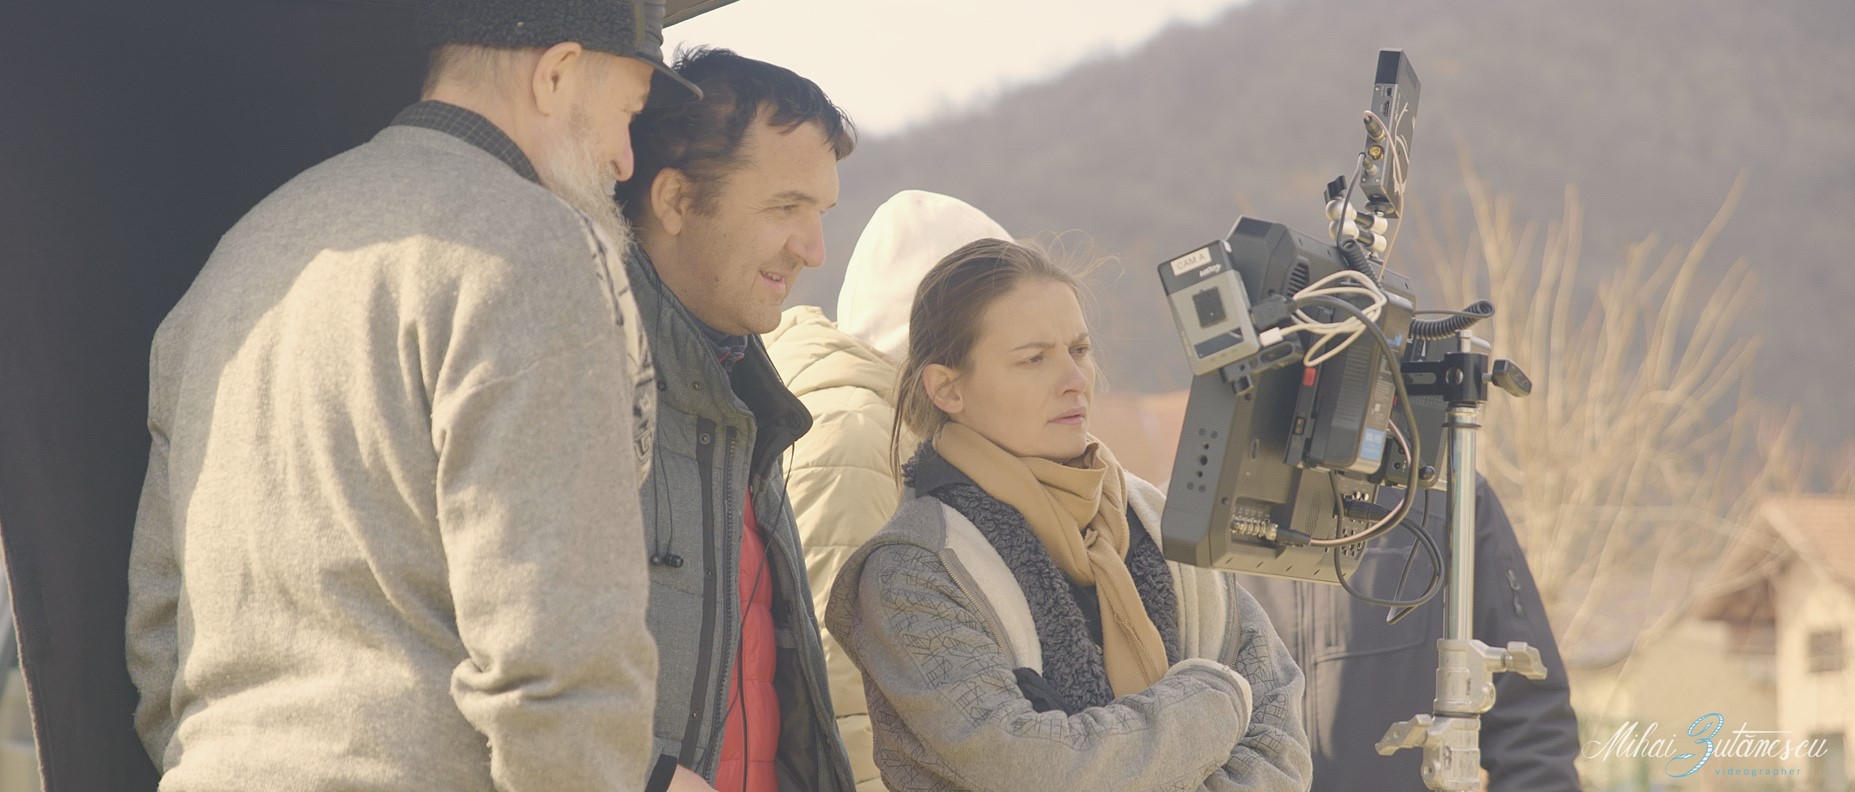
(572, 169)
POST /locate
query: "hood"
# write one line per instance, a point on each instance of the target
(812, 354)
(907, 236)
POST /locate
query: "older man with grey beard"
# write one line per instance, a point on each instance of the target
(389, 534)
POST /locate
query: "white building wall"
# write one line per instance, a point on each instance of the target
(1814, 703)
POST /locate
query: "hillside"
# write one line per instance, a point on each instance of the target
(1651, 109)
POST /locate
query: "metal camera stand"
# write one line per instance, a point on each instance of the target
(1450, 735)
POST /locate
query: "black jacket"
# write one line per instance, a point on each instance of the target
(1364, 675)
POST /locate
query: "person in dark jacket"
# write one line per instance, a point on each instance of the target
(1363, 674)
(728, 203)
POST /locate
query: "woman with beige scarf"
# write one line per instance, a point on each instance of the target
(1015, 623)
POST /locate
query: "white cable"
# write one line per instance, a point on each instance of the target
(1344, 331)
(1325, 355)
(1320, 288)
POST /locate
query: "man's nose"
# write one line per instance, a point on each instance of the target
(627, 167)
(808, 244)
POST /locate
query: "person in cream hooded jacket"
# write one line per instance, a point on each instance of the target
(840, 478)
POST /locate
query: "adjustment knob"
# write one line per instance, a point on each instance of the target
(1508, 377)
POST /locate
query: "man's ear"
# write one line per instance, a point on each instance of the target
(555, 78)
(943, 388)
(671, 199)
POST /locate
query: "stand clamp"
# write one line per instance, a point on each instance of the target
(1450, 735)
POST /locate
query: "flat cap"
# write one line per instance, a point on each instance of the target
(627, 28)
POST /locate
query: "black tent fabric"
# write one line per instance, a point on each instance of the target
(132, 134)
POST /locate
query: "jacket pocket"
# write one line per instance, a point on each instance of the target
(674, 538)
(676, 624)
(1349, 628)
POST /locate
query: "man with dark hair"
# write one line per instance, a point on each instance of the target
(729, 202)
(388, 534)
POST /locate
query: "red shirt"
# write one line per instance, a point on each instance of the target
(753, 704)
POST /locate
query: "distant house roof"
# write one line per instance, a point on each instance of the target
(1818, 530)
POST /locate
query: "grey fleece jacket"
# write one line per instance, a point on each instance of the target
(388, 538)
(932, 617)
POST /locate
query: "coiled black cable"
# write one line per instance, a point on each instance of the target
(1354, 257)
(1455, 322)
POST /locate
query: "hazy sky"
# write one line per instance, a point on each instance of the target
(889, 63)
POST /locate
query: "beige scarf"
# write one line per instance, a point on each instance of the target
(1079, 512)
